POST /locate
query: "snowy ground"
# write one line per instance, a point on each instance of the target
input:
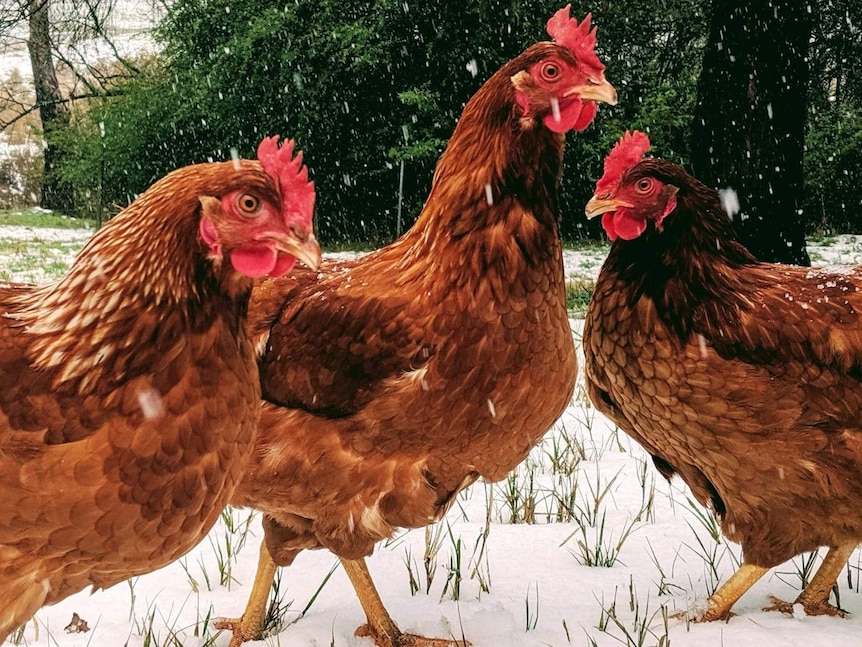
(537, 589)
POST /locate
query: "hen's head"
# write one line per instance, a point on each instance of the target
(632, 191)
(564, 80)
(263, 228)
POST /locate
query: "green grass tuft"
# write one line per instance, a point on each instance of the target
(578, 295)
(39, 218)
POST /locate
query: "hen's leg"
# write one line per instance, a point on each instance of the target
(250, 625)
(815, 597)
(381, 627)
(720, 602)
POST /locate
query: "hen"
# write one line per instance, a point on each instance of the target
(403, 376)
(129, 391)
(744, 378)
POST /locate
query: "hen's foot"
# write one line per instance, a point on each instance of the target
(242, 631)
(811, 607)
(250, 625)
(720, 602)
(398, 639)
(714, 615)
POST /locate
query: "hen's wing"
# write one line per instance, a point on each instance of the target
(35, 411)
(805, 331)
(782, 374)
(800, 315)
(335, 338)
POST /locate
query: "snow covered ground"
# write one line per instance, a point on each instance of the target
(593, 497)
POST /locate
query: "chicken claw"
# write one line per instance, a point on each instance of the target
(815, 596)
(397, 639)
(242, 632)
(813, 608)
(381, 628)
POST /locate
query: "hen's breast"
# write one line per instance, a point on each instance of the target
(112, 485)
(467, 379)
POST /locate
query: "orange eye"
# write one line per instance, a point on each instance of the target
(248, 203)
(550, 71)
(644, 185)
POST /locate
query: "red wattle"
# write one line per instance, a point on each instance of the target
(569, 114)
(283, 264)
(608, 226)
(587, 115)
(623, 224)
(254, 261)
(628, 226)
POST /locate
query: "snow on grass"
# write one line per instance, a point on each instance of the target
(591, 495)
(37, 255)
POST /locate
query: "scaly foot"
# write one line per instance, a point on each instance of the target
(242, 631)
(398, 639)
(812, 608)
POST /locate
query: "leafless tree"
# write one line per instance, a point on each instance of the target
(60, 36)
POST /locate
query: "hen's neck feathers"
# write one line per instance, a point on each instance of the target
(495, 187)
(141, 282)
(693, 269)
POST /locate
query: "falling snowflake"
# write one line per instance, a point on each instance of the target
(555, 109)
(729, 201)
(151, 404)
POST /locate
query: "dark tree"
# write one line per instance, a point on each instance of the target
(749, 121)
(53, 111)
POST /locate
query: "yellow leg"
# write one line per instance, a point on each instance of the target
(728, 593)
(815, 597)
(250, 625)
(381, 628)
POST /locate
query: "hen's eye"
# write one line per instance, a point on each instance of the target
(550, 71)
(644, 185)
(248, 203)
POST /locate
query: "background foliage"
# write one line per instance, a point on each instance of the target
(368, 86)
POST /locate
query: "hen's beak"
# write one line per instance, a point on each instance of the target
(596, 90)
(302, 245)
(597, 206)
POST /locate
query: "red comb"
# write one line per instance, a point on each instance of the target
(580, 39)
(291, 176)
(627, 152)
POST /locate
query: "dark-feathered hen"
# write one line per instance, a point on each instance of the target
(401, 377)
(128, 389)
(744, 378)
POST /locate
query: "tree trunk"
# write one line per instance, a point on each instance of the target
(749, 121)
(53, 111)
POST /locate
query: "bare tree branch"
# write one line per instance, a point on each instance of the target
(30, 109)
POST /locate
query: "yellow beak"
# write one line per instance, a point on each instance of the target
(304, 248)
(596, 206)
(596, 90)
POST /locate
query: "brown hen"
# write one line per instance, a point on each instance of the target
(399, 378)
(744, 378)
(129, 388)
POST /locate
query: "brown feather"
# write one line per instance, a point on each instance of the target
(399, 378)
(742, 377)
(128, 401)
